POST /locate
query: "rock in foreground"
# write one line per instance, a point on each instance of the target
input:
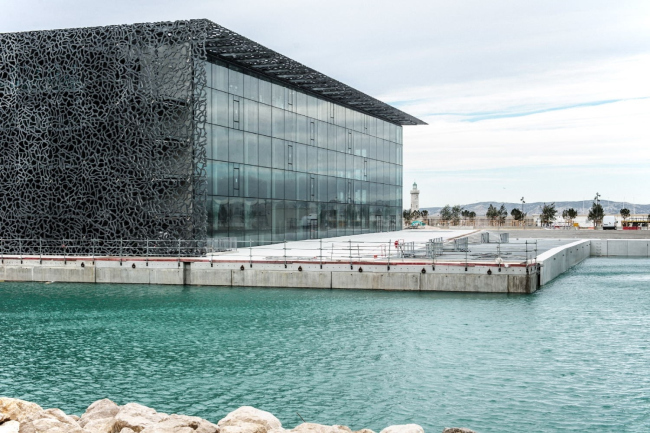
(104, 416)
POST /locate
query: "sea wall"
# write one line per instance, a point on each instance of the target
(480, 277)
(445, 277)
(556, 261)
(104, 416)
(620, 248)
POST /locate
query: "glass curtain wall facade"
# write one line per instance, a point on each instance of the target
(286, 165)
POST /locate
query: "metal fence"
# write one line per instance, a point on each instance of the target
(330, 250)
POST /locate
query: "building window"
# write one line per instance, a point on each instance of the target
(235, 182)
(365, 169)
(312, 188)
(235, 113)
(290, 157)
(312, 133)
(349, 192)
(350, 142)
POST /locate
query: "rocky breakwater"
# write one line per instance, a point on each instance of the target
(104, 416)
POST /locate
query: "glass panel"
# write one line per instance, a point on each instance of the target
(322, 161)
(251, 182)
(220, 143)
(236, 228)
(264, 218)
(341, 191)
(265, 122)
(278, 154)
(290, 126)
(208, 141)
(278, 221)
(264, 182)
(331, 162)
(302, 184)
(303, 219)
(235, 145)
(278, 123)
(312, 107)
(220, 178)
(278, 96)
(251, 87)
(302, 130)
(220, 78)
(251, 211)
(250, 115)
(278, 184)
(331, 189)
(340, 165)
(358, 168)
(250, 148)
(265, 92)
(300, 157)
(209, 169)
(301, 103)
(289, 185)
(219, 108)
(235, 83)
(220, 218)
(312, 159)
(322, 188)
(264, 151)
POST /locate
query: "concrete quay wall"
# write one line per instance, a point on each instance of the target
(620, 248)
(556, 261)
(451, 277)
(444, 277)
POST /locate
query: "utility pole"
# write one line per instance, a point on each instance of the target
(523, 215)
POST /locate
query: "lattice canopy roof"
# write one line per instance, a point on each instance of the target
(234, 48)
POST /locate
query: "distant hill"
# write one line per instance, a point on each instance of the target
(610, 207)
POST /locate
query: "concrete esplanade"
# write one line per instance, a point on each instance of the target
(409, 260)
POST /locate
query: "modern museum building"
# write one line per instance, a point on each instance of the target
(187, 130)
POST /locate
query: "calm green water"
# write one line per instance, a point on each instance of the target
(574, 356)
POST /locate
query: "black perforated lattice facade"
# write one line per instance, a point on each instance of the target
(103, 138)
(102, 133)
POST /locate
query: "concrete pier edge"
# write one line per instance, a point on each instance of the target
(414, 275)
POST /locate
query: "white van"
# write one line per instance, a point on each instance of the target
(609, 223)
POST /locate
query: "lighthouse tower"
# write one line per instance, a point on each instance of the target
(415, 197)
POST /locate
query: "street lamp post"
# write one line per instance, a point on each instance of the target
(523, 215)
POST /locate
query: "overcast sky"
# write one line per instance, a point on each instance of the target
(549, 100)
